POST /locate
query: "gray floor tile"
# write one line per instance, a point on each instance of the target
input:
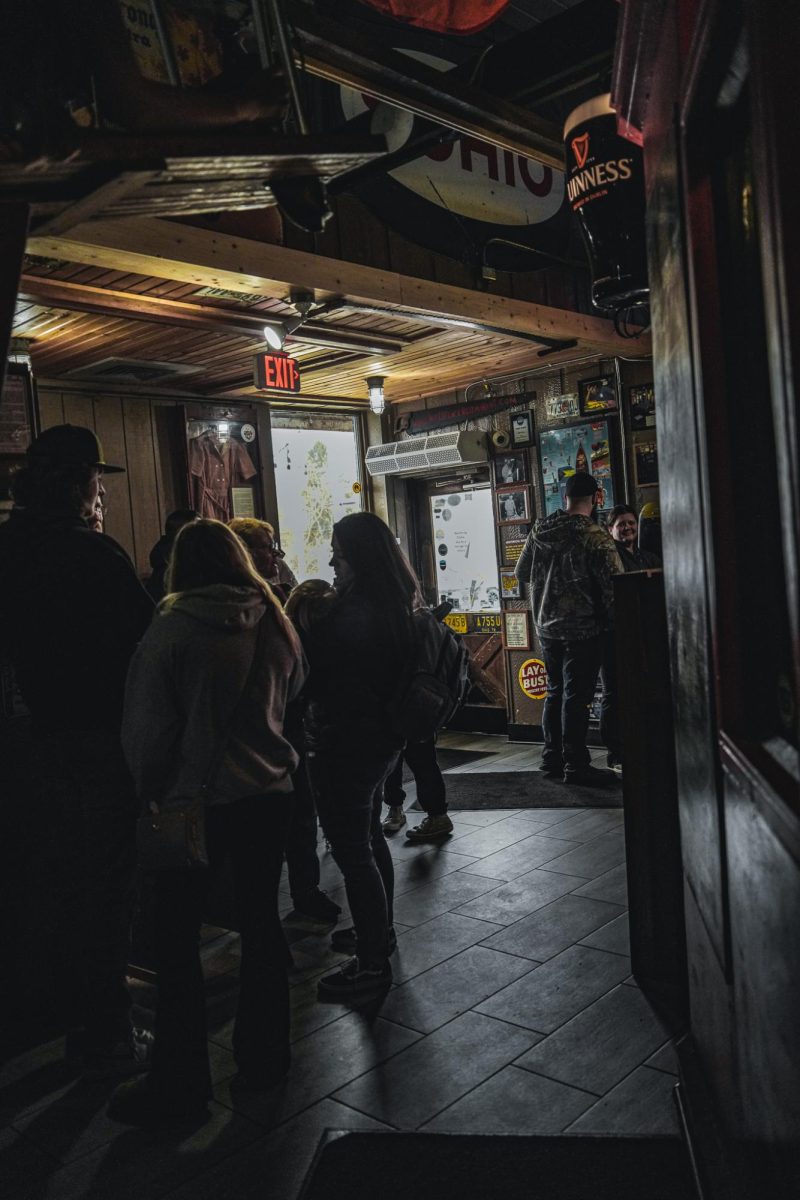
(423, 1080)
(587, 823)
(451, 988)
(433, 899)
(495, 837)
(513, 1101)
(592, 858)
(664, 1059)
(544, 818)
(437, 940)
(481, 817)
(601, 1045)
(322, 1062)
(23, 1165)
(612, 886)
(554, 992)
(523, 856)
(523, 895)
(614, 937)
(430, 863)
(553, 928)
(642, 1104)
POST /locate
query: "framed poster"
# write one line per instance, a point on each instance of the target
(510, 468)
(645, 460)
(522, 428)
(516, 630)
(562, 452)
(510, 587)
(512, 541)
(598, 395)
(643, 406)
(513, 504)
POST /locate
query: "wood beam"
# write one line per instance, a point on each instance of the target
(209, 259)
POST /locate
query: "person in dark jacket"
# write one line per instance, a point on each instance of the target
(159, 555)
(356, 653)
(623, 525)
(73, 611)
(569, 562)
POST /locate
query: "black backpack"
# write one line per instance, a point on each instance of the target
(435, 685)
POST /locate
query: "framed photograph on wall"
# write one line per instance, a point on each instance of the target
(643, 406)
(645, 459)
(522, 428)
(510, 586)
(598, 395)
(512, 542)
(517, 630)
(513, 504)
(510, 468)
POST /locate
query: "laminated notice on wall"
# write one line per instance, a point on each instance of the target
(242, 502)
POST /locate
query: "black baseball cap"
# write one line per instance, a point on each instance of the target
(70, 445)
(580, 485)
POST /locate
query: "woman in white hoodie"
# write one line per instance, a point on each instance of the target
(190, 675)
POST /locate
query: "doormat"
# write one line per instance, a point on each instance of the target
(441, 1166)
(525, 789)
(447, 759)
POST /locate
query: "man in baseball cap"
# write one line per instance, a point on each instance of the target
(73, 611)
(569, 562)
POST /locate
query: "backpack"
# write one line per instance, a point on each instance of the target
(435, 685)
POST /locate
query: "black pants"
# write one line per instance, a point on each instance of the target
(609, 708)
(253, 832)
(349, 791)
(301, 844)
(90, 796)
(421, 759)
(572, 669)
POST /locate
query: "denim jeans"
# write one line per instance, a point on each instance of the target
(572, 669)
(252, 831)
(421, 759)
(609, 708)
(349, 792)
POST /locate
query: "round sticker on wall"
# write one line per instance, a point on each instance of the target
(248, 433)
(532, 678)
(357, 488)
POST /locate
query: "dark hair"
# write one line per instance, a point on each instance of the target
(617, 511)
(51, 487)
(581, 486)
(176, 520)
(381, 571)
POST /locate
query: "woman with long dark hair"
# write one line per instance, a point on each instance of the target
(204, 709)
(357, 654)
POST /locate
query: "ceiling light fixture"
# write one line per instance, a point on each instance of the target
(377, 401)
(276, 332)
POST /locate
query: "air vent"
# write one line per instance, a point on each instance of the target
(131, 370)
(430, 453)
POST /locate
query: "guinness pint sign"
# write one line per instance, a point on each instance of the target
(605, 189)
(276, 373)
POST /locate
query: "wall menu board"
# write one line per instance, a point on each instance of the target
(582, 447)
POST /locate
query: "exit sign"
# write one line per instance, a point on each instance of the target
(276, 373)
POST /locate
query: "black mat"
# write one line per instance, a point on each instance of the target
(525, 789)
(436, 1166)
(447, 759)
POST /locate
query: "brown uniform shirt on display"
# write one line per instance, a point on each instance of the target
(215, 470)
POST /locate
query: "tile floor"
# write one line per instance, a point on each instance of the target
(513, 1011)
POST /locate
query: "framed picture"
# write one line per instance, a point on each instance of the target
(522, 428)
(643, 406)
(510, 587)
(512, 541)
(645, 458)
(513, 504)
(573, 448)
(563, 407)
(516, 630)
(598, 395)
(510, 468)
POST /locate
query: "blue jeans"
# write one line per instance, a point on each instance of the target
(349, 792)
(572, 669)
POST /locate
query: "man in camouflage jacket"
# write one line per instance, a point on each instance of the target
(569, 561)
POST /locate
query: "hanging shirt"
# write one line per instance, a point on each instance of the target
(215, 470)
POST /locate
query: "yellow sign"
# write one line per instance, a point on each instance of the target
(533, 678)
(357, 488)
(457, 622)
(490, 621)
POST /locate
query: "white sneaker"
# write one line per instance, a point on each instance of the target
(395, 820)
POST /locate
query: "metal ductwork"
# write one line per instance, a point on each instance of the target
(428, 453)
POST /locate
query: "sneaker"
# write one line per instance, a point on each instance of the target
(129, 1056)
(395, 820)
(138, 1102)
(344, 940)
(590, 777)
(614, 764)
(430, 829)
(318, 906)
(353, 982)
(550, 772)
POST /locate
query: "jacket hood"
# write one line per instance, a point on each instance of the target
(556, 532)
(233, 608)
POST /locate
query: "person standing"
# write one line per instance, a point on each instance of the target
(269, 559)
(569, 563)
(73, 611)
(159, 555)
(431, 794)
(623, 525)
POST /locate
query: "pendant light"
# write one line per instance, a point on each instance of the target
(377, 402)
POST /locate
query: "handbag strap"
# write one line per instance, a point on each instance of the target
(222, 743)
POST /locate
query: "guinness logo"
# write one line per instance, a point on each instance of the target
(580, 148)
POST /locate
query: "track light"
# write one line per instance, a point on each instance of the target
(377, 402)
(276, 332)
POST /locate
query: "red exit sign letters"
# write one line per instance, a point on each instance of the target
(276, 373)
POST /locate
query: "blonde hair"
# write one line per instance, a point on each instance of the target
(207, 552)
(244, 526)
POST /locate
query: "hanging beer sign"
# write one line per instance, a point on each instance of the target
(605, 189)
(276, 373)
